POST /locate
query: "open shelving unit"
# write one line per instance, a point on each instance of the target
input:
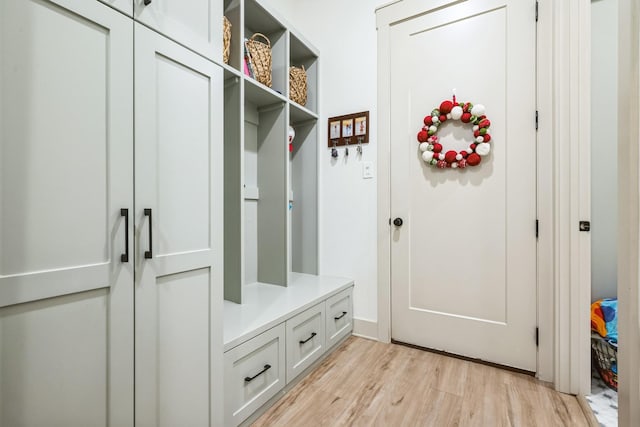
(280, 316)
(271, 194)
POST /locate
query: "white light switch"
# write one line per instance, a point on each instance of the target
(367, 170)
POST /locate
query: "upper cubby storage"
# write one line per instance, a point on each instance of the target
(258, 21)
(232, 11)
(302, 55)
(288, 48)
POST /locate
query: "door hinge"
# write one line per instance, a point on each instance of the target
(536, 11)
(537, 120)
(537, 228)
(537, 337)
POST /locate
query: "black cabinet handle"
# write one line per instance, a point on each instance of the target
(249, 379)
(344, 313)
(313, 334)
(147, 2)
(398, 222)
(149, 254)
(125, 256)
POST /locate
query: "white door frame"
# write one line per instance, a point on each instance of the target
(563, 193)
(629, 213)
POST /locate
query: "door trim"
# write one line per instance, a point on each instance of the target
(563, 252)
(629, 212)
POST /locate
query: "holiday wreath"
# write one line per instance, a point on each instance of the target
(432, 150)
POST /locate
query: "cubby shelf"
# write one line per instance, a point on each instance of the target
(271, 193)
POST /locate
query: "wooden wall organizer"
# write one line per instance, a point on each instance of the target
(350, 129)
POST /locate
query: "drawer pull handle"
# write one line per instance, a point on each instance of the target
(344, 313)
(147, 2)
(313, 334)
(249, 379)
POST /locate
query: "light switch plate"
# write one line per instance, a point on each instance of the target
(367, 170)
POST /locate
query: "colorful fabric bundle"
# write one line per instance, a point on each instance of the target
(604, 318)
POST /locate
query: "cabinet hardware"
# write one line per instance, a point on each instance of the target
(344, 313)
(149, 254)
(585, 226)
(398, 222)
(147, 2)
(249, 379)
(125, 256)
(313, 334)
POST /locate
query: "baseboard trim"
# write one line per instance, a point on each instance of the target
(365, 329)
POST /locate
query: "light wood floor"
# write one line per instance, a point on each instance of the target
(367, 383)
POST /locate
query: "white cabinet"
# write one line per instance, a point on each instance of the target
(178, 183)
(305, 340)
(72, 240)
(339, 316)
(253, 373)
(124, 6)
(196, 24)
(66, 171)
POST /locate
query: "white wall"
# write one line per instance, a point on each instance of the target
(345, 34)
(604, 153)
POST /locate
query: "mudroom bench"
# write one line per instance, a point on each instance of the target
(277, 334)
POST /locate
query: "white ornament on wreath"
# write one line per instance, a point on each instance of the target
(483, 149)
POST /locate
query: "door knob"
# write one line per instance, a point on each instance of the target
(398, 222)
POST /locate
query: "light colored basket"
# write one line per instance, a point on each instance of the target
(298, 85)
(260, 54)
(226, 39)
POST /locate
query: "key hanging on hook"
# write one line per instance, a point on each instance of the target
(334, 150)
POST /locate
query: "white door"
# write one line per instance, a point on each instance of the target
(66, 153)
(464, 262)
(196, 24)
(178, 181)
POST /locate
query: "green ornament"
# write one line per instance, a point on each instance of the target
(435, 112)
(483, 131)
(474, 120)
(434, 162)
(431, 132)
(430, 147)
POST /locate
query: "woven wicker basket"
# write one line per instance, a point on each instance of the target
(226, 39)
(260, 54)
(298, 85)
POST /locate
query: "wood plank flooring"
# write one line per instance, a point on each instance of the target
(367, 383)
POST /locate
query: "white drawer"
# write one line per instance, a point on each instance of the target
(305, 340)
(253, 373)
(339, 316)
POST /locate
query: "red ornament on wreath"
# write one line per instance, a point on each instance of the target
(431, 148)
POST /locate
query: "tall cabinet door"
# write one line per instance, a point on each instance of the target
(178, 182)
(196, 24)
(66, 153)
